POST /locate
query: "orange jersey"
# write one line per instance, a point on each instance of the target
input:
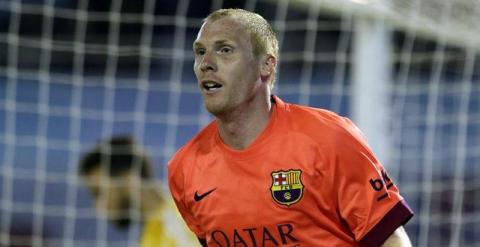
(309, 179)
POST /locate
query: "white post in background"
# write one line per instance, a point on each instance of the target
(370, 84)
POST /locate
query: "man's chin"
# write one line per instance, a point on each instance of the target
(216, 108)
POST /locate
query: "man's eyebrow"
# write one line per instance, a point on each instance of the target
(196, 44)
(221, 42)
(218, 42)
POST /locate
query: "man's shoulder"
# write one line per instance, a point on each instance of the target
(320, 125)
(337, 129)
(313, 112)
(201, 141)
(309, 118)
(204, 136)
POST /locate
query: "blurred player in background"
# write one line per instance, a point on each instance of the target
(270, 173)
(119, 176)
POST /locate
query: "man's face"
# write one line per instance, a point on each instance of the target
(228, 73)
(112, 196)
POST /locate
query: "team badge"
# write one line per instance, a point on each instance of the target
(287, 187)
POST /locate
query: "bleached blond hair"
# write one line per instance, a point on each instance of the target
(262, 37)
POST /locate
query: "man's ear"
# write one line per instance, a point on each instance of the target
(268, 67)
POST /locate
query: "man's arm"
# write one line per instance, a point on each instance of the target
(399, 238)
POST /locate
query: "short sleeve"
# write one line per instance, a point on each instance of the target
(368, 199)
(176, 186)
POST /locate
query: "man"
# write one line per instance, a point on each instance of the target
(118, 174)
(269, 173)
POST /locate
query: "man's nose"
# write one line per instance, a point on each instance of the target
(208, 62)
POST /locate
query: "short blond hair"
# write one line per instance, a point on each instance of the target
(263, 38)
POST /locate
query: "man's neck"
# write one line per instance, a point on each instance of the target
(241, 128)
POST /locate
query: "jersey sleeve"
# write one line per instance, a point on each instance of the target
(368, 199)
(176, 182)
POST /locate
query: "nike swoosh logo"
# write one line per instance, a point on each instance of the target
(198, 197)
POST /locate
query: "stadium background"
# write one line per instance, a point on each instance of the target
(73, 72)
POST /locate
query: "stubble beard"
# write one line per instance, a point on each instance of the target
(216, 107)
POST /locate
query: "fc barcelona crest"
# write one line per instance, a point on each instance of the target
(287, 187)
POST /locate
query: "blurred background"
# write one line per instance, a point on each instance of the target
(74, 72)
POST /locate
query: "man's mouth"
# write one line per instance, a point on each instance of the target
(211, 86)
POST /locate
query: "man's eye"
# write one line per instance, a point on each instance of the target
(200, 51)
(225, 49)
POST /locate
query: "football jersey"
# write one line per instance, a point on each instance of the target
(165, 228)
(309, 179)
